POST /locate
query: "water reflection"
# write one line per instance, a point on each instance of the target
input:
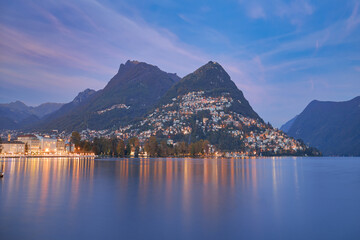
(44, 180)
(193, 197)
(48, 179)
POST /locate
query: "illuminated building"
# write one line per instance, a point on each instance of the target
(39, 144)
(32, 141)
(60, 145)
(14, 147)
(48, 145)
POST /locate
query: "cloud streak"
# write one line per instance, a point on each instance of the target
(354, 20)
(63, 47)
(294, 11)
(93, 49)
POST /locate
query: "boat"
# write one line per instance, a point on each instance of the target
(2, 172)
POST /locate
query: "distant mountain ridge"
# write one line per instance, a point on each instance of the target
(332, 127)
(17, 114)
(80, 99)
(286, 127)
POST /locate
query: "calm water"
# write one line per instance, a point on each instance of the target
(273, 198)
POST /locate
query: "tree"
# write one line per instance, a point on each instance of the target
(137, 150)
(134, 145)
(128, 149)
(181, 149)
(86, 146)
(96, 146)
(113, 145)
(134, 142)
(151, 147)
(121, 148)
(75, 138)
(163, 149)
(192, 149)
(26, 147)
(205, 147)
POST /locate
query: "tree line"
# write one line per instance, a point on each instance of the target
(153, 147)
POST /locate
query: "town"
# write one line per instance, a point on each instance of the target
(177, 118)
(34, 144)
(186, 119)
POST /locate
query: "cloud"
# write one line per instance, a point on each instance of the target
(312, 85)
(295, 11)
(46, 80)
(18, 45)
(88, 49)
(293, 8)
(354, 19)
(332, 35)
(256, 11)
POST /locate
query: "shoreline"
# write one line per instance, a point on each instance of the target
(48, 156)
(95, 157)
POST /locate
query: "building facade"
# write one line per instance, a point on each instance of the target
(60, 146)
(14, 147)
(37, 144)
(32, 143)
(48, 145)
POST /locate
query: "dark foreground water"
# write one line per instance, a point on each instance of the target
(272, 198)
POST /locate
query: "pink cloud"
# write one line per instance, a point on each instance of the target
(354, 19)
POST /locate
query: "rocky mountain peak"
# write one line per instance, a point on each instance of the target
(82, 96)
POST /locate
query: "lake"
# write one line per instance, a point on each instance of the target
(164, 198)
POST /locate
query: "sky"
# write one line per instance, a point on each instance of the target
(281, 55)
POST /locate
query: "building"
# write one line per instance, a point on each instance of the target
(14, 147)
(48, 145)
(69, 147)
(32, 142)
(38, 144)
(60, 146)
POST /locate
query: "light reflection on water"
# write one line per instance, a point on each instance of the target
(272, 198)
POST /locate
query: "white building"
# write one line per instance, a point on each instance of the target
(32, 142)
(48, 145)
(14, 147)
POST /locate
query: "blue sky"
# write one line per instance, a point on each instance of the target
(281, 55)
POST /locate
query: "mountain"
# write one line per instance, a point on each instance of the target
(288, 124)
(16, 115)
(207, 105)
(132, 92)
(81, 98)
(13, 113)
(45, 108)
(213, 80)
(332, 127)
